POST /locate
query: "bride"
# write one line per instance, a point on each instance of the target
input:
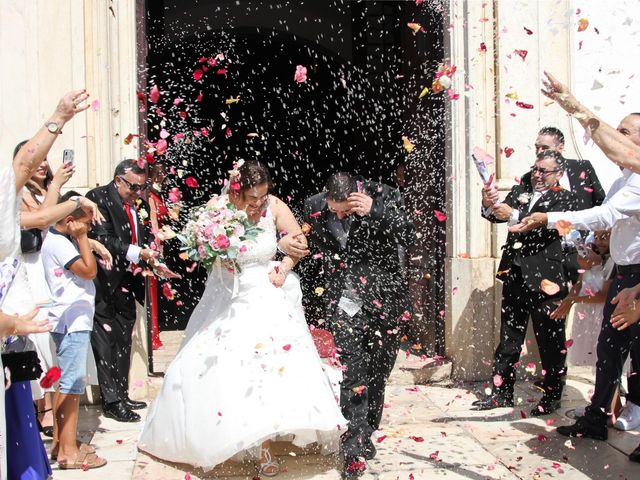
(247, 371)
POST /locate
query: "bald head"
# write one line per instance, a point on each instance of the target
(630, 127)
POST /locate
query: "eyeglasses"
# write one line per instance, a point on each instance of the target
(542, 171)
(134, 187)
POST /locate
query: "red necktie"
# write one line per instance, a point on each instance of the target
(134, 238)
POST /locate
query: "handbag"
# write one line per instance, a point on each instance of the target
(30, 240)
(24, 366)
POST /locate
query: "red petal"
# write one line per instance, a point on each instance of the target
(526, 106)
(154, 94)
(191, 182)
(440, 216)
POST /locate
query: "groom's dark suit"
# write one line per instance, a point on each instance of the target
(360, 261)
(528, 259)
(116, 292)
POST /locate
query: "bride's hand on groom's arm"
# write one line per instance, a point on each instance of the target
(294, 245)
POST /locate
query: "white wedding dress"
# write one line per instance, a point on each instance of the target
(246, 372)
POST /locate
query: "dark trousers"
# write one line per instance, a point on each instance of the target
(633, 380)
(518, 303)
(369, 353)
(113, 324)
(613, 348)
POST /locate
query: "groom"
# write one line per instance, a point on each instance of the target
(357, 226)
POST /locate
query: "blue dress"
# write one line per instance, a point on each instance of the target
(26, 456)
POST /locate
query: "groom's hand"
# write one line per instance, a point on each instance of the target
(360, 203)
(294, 245)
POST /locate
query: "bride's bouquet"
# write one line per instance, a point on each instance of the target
(216, 230)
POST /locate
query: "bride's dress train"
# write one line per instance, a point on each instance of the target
(246, 372)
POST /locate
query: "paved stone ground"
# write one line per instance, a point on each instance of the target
(428, 432)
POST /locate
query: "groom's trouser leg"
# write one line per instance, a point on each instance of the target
(383, 343)
(351, 337)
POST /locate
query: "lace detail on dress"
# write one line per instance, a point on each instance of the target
(261, 249)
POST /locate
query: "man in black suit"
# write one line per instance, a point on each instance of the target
(117, 289)
(580, 178)
(357, 226)
(534, 279)
(579, 175)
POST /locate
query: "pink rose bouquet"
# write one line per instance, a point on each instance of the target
(216, 230)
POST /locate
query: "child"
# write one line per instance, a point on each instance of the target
(70, 267)
(589, 293)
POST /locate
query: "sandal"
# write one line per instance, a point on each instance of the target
(268, 466)
(46, 431)
(85, 461)
(84, 448)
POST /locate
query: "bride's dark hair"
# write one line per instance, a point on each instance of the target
(252, 174)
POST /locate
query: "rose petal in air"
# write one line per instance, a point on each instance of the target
(549, 287)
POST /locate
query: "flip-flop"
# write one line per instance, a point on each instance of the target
(85, 461)
(83, 447)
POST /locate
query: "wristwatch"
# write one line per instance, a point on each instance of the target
(53, 127)
(76, 198)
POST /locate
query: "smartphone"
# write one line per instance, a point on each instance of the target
(67, 156)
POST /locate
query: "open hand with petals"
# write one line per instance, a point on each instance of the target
(533, 221)
(559, 93)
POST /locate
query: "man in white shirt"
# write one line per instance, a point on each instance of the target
(620, 211)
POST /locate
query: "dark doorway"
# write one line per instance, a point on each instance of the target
(225, 71)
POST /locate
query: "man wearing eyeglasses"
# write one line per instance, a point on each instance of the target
(620, 333)
(117, 289)
(534, 279)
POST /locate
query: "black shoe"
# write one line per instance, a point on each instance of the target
(118, 411)
(134, 404)
(369, 451)
(635, 455)
(584, 428)
(496, 400)
(354, 467)
(545, 406)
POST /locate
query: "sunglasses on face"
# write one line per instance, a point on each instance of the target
(134, 187)
(542, 171)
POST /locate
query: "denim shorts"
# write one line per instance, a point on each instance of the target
(72, 349)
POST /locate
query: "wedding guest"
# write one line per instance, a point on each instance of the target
(528, 262)
(620, 211)
(356, 226)
(42, 190)
(158, 216)
(117, 289)
(12, 182)
(69, 267)
(587, 298)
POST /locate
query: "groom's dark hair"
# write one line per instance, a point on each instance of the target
(339, 186)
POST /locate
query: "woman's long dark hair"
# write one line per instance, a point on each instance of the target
(30, 186)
